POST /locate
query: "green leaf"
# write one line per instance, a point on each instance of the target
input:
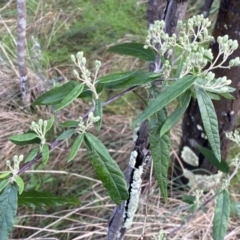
(19, 183)
(179, 68)
(45, 199)
(171, 93)
(98, 112)
(45, 153)
(70, 97)
(221, 215)
(106, 168)
(189, 199)
(160, 150)
(5, 174)
(227, 95)
(116, 77)
(69, 124)
(209, 119)
(8, 210)
(56, 94)
(77, 144)
(177, 114)
(3, 183)
(32, 154)
(135, 79)
(50, 123)
(209, 155)
(66, 134)
(25, 138)
(134, 49)
(213, 96)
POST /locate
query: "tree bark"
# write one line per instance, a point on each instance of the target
(228, 22)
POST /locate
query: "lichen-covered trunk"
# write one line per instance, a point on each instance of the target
(228, 23)
(21, 50)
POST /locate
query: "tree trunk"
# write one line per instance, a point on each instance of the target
(228, 22)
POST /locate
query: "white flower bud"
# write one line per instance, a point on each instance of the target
(73, 58)
(75, 73)
(225, 38)
(79, 55)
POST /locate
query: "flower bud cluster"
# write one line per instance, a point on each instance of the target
(186, 47)
(40, 128)
(234, 136)
(86, 76)
(16, 162)
(83, 127)
(219, 85)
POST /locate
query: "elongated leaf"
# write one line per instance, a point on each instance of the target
(66, 134)
(56, 94)
(32, 154)
(69, 124)
(24, 139)
(213, 96)
(116, 77)
(20, 184)
(45, 199)
(71, 96)
(177, 114)
(98, 112)
(209, 119)
(160, 150)
(106, 168)
(134, 49)
(136, 79)
(50, 123)
(8, 210)
(77, 144)
(45, 153)
(5, 174)
(221, 215)
(227, 95)
(188, 199)
(3, 184)
(171, 93)
(209, 155)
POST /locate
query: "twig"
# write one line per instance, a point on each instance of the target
(56, 142)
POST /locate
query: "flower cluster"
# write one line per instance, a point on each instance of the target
(185, 52)
(16, 161)
(40, 128)
(82, 126)
(86, 76)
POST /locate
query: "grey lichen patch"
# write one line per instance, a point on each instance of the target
(199, 127)
(189, 156)
(203, 182)
(132, 160)
(134, 197)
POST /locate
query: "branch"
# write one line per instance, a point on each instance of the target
(21, 50)
(56, 142)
